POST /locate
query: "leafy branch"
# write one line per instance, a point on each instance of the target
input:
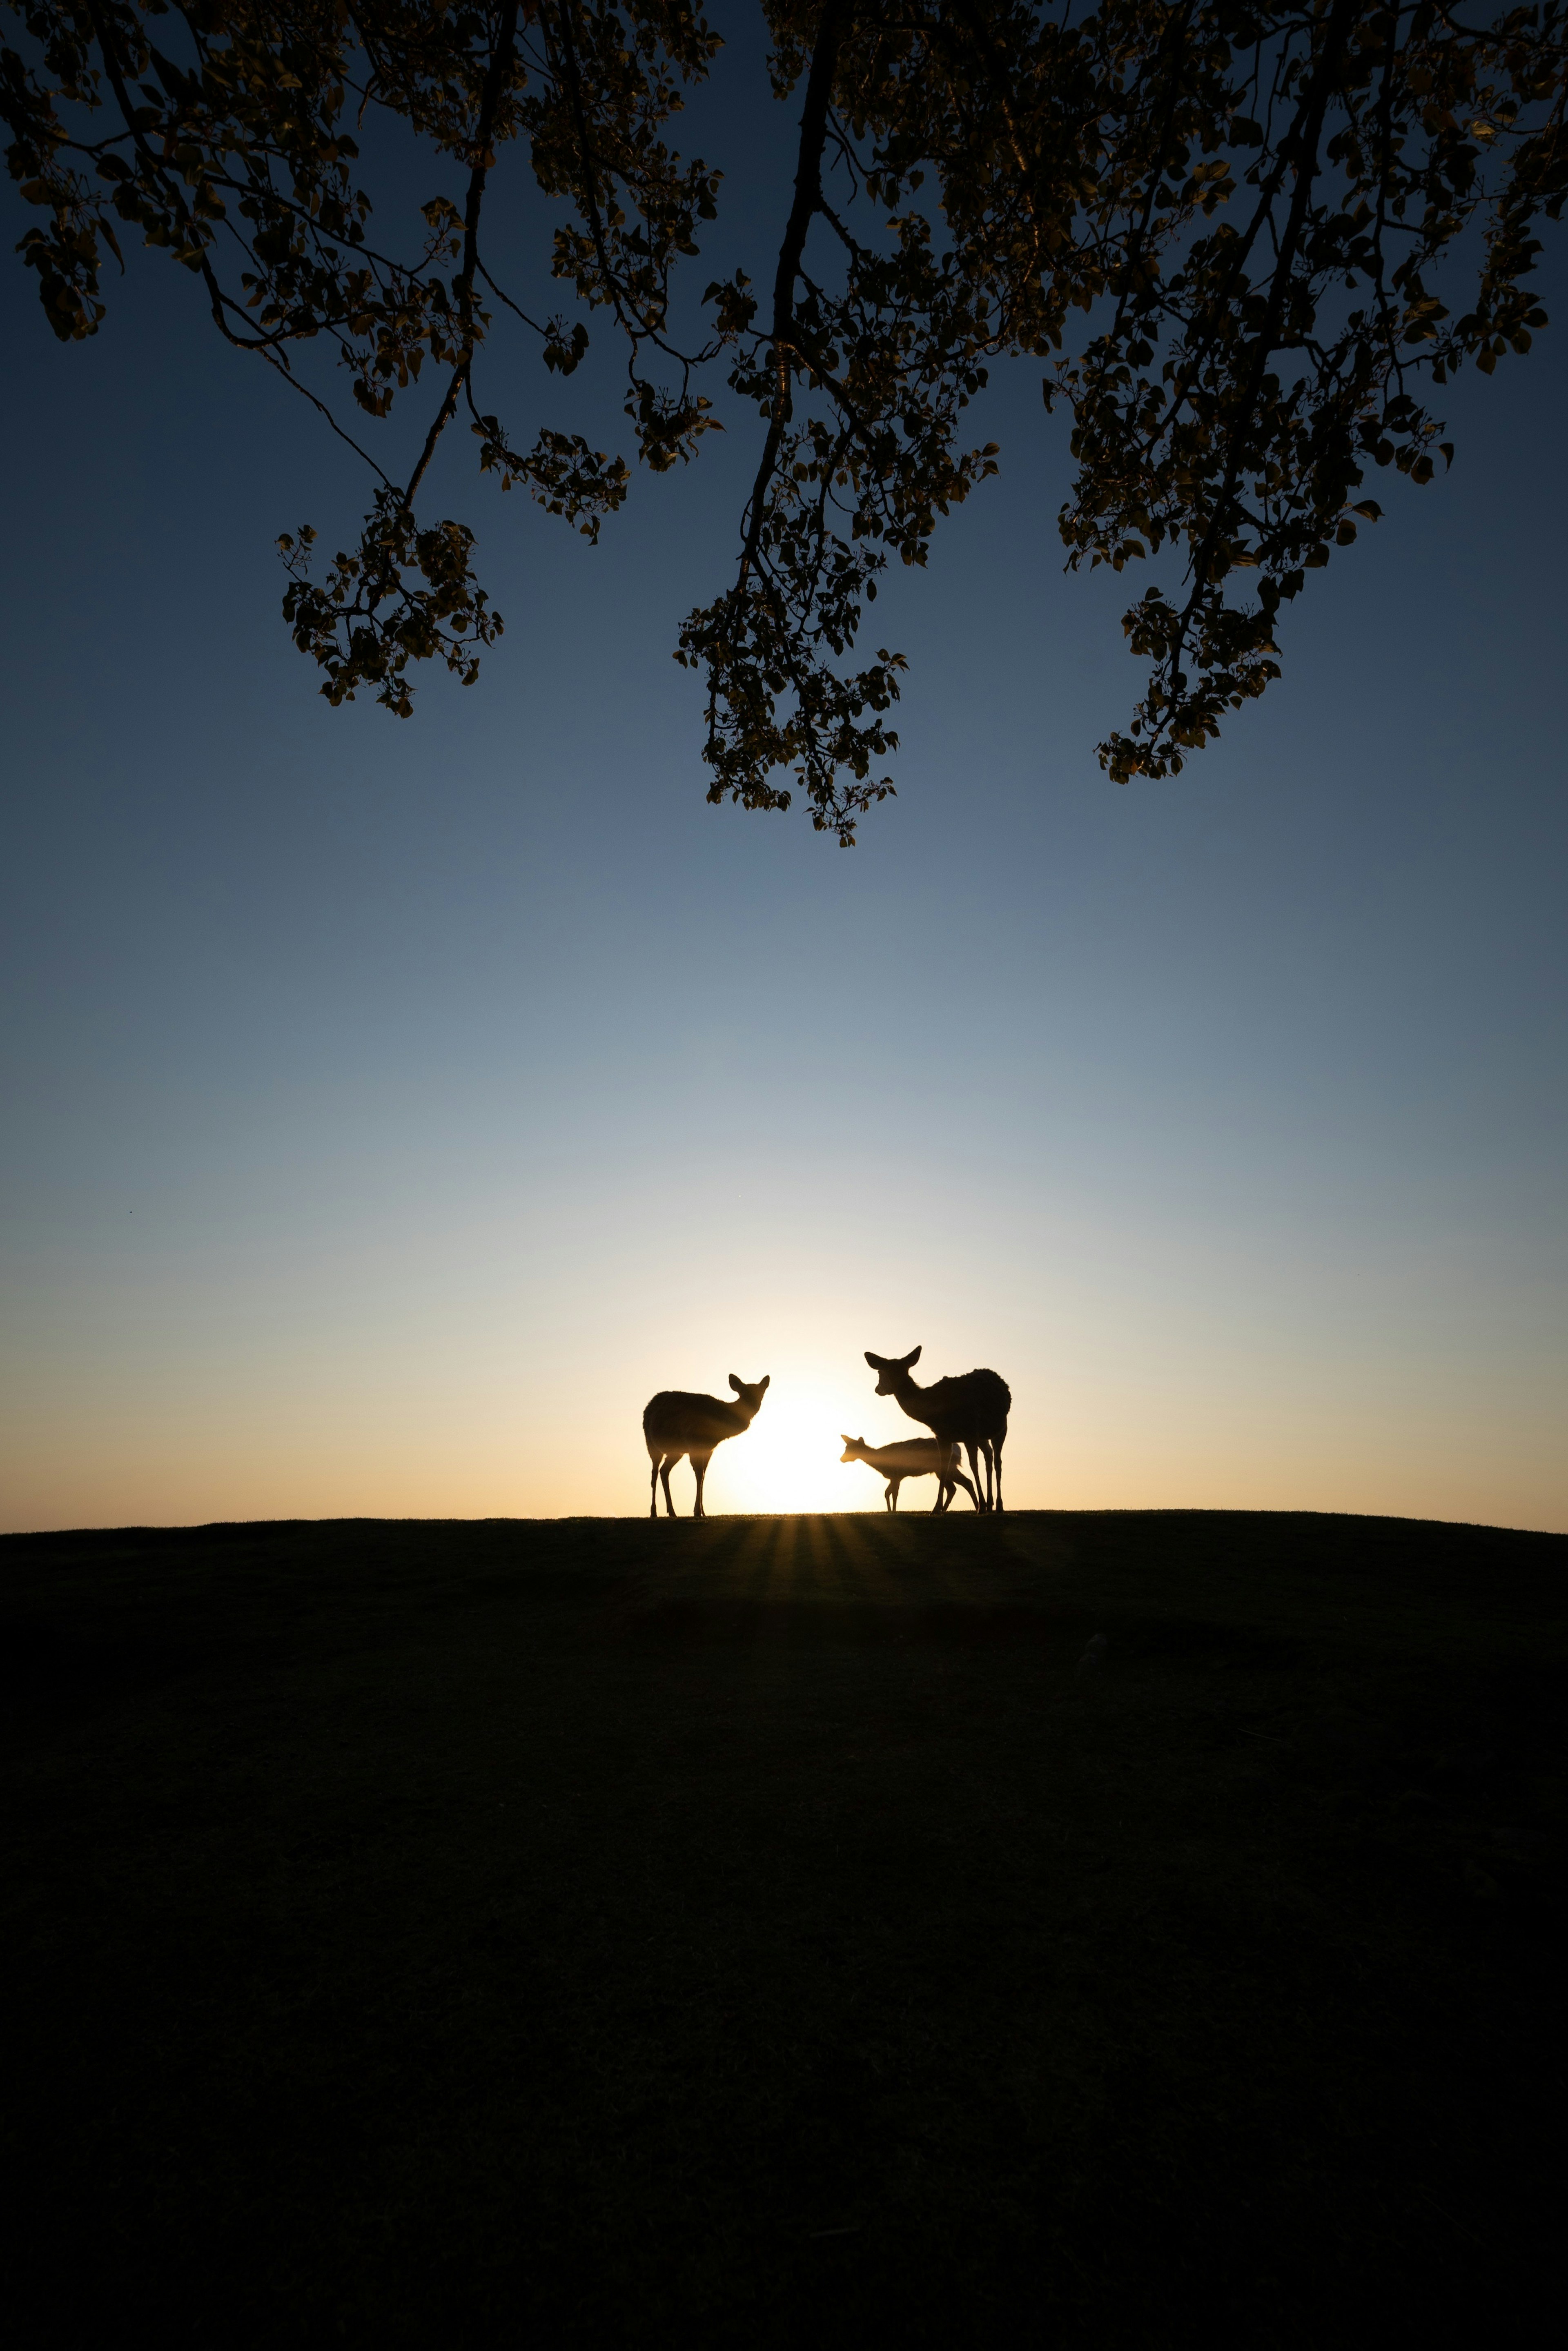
(1242, 240)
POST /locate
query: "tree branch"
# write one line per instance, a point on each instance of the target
(1305, 146)
(835, 22)
(501, 59)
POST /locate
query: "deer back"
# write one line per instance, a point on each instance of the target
(913, 1456)
(971, 1407)
(678, 1420)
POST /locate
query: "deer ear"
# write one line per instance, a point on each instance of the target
(736, 1384)
(767, 1380)
(913, 1357)
(876, 1361)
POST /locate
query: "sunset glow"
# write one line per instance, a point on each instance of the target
(789, 1459)
(393, 1109)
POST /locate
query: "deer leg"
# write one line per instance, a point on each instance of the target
(892, 1486)
(973, 1449)
(997, 1443)
(666, 1465)
(653, 1487)
(699, 1463)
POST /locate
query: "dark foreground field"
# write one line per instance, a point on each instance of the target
(759, 1932)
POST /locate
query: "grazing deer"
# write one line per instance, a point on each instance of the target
(971, 1412)
(919, 1456)
(675, 1423)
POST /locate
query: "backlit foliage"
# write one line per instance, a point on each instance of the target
(1241, 242)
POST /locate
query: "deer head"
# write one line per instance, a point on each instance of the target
(890, 1369)
(750, 1398)
(854, 1447)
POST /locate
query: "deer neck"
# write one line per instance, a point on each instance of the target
(910, 1396)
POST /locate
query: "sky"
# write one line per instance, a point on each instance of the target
(391, 1108)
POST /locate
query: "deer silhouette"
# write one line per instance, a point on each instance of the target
(971, 1412)
(675, 1425)
(918, 1457)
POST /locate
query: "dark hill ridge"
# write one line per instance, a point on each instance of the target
(772, 1929)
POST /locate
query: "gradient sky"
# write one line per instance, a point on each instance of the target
(391, 1107)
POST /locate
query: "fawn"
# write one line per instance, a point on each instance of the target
(918, 1457)
(675, 1423)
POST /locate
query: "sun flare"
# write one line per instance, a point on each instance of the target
(788, 1458)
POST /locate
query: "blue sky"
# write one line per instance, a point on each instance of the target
(391, 1107)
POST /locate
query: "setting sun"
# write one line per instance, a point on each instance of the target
(788, 1458)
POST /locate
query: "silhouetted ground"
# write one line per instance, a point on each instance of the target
(759, 1932)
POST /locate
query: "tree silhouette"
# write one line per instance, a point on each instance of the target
(1242, 240)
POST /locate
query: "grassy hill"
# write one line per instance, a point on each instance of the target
(767, 1932)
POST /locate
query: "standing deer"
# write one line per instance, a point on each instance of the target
(918, 1456)
(675, 1423)
(971, 1412)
